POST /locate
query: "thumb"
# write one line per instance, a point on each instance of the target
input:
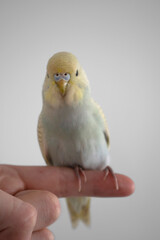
(17, 218)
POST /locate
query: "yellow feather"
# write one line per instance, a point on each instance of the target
(79, 209)
(106, 131)
(41, 139)
(74, 95)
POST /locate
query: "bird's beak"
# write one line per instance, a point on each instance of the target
(62, 85)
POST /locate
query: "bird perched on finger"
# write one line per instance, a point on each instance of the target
(72, 130)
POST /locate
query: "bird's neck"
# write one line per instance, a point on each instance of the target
(66, 116)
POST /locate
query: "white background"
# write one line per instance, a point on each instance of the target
(118, 44)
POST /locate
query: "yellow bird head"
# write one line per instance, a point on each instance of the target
(65, 82)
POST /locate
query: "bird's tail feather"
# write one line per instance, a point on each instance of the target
(79, 209)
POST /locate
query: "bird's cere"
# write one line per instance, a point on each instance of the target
(64, 76)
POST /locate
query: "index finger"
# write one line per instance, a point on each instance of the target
(62, 181)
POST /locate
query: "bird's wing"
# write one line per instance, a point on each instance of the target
(42, 142)
(106, 131)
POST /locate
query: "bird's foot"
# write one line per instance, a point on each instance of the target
(78, 171)
(108, 170)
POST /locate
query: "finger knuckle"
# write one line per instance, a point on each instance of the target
(53, 206)
(27, 216)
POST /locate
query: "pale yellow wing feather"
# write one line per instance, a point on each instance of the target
(106, 130)
(42, 141)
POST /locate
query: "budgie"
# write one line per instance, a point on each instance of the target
(72, 130)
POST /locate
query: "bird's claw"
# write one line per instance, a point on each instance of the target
(110, 170)
(78, 171)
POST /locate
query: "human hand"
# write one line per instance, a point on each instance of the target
(26, 211)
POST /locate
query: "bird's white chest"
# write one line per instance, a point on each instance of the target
(75, 138)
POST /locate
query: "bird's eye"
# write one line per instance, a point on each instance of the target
(77, 73)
